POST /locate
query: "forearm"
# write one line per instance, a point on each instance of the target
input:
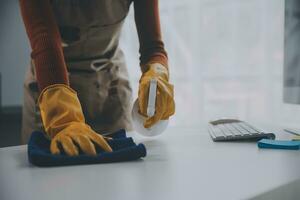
(148, 26)
(45, 42)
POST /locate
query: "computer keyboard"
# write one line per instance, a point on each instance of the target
(233, 129)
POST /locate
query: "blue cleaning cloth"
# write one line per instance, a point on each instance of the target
(124, 149)
(278, 144)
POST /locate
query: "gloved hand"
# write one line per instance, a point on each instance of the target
(165, 105)
(64, 122)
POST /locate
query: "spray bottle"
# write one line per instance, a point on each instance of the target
(138, 119)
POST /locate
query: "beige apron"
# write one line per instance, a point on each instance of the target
(90, 31)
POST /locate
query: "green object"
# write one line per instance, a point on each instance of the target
(296, 138)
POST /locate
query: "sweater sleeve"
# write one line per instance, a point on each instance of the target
(148, 26)
(45, 42)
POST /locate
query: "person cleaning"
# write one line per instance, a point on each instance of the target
(77, 86)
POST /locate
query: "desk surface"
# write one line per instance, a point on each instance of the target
(181, 164)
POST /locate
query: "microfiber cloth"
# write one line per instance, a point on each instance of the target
(124, 149)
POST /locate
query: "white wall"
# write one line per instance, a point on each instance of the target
(226, 59)
(14, 53)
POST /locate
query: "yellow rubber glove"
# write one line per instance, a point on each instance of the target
(64, 122)
(165, 105)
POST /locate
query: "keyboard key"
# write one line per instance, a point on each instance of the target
(216, 132)
(248, 128)
(253, 128)
(233, 130)
(224, 130)
(240, 128)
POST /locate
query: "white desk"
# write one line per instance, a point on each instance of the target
(181, 164)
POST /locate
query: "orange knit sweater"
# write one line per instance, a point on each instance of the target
(47, 53)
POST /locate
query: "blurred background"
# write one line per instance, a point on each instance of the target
(225, 57)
